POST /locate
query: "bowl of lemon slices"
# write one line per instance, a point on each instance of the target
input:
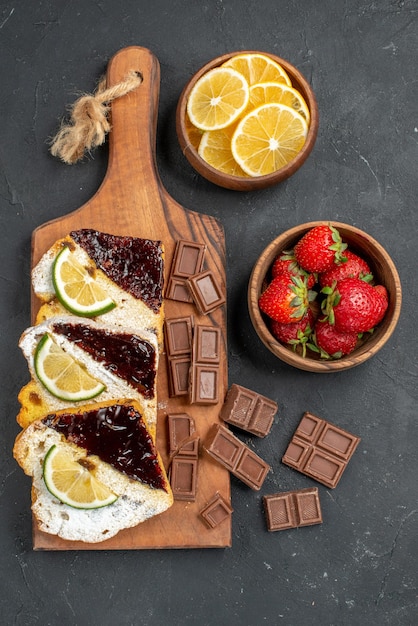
(247, 120)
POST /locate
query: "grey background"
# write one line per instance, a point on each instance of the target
(360, 566)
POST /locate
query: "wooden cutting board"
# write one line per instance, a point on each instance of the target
(132, 201)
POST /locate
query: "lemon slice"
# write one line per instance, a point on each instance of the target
(267, 93)
(61, 375)
(268, 138)
(217, 99)
(194, 134)
(215, 149)
(72, 483)
(76, 288)
(258, 68)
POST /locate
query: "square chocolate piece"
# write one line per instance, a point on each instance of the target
(207, 344)
(178, 374)
(320, 450)
(183, 478)
(178, 333)
(216, 511)
(182, 437)
(206, 292)
(292, 509)
(204, 384)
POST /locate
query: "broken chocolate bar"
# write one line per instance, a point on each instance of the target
(248, 410)
(182, 437)
(206, 292)
(216, 511)
(183, 478)
(187, 261)
(204, 382)
(238, 458)
(320, 450)
(291, 509)
(178, 343)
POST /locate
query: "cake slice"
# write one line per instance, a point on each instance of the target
(124, 361)
(130, 270)
(112, 444)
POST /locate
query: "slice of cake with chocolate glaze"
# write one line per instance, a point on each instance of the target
(121, 363)
(129, 270)
(108, 446)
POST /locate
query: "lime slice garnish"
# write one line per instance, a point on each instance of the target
(76, 287)
(72, 482)
(62, 375)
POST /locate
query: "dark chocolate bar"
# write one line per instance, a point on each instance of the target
(187, 261)
(216, 511)
(248, 410)
(291, 509)
(182, 437)
(206, 292)
(238, 458)
(320, 450)
(183, 478)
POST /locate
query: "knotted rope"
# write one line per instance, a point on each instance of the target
(88, 123)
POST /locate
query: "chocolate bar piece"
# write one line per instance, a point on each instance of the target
(216, 511)
(206, 292)
(178, 335)
(183, 478)
(187, 261)
(178, 332)
(204, 384)
(178, 375)
(291, 509)
(182, 437)
(204, 381)
(207, 344)
(242, 462)
(248, 410)
(320, 450)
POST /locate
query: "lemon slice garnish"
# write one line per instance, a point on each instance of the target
(268, 138)
(279, 93)
(217, 99)
(258, 68)
(72, 482)
(76, 288)
(215, 149)
(62, 375)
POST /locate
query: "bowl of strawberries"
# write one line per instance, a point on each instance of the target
(324, 296)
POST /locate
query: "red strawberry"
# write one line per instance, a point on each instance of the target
(286, 299)
(320, 248)
(286, 262)
(353, 267)
(354, 305)
(383, 291)
(295, 334)
(331, 342)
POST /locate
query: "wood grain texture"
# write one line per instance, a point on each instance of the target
(132, 201)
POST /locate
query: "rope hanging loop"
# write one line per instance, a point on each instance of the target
(89, 124)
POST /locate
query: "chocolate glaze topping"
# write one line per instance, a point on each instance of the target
(117, 435)
(135, 264)
(126, 355)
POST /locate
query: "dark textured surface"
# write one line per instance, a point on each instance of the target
(360, 565)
